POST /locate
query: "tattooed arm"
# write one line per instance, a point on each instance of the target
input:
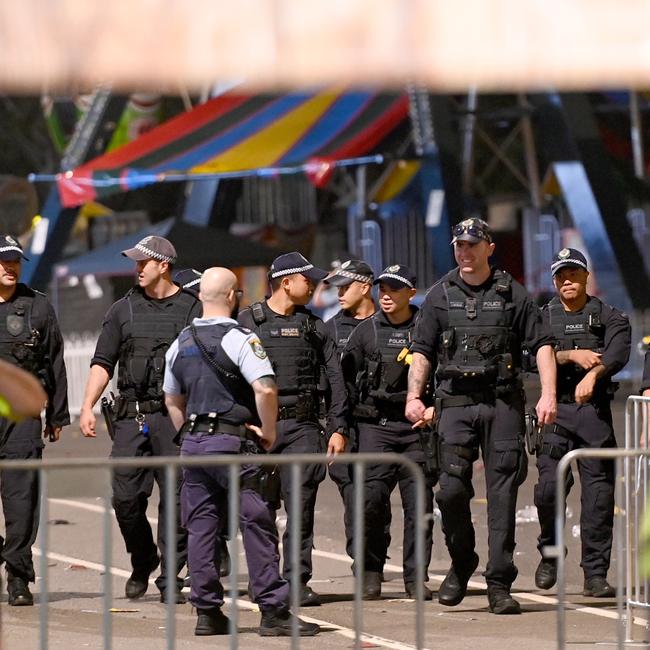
(418, 376)
(266, 401)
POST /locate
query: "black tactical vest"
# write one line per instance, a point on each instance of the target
(384, 378)
(293, 347)
(344, 325)
(208, 390)
(479, 351)
(21, 343)
(142, 355)
(576, 331)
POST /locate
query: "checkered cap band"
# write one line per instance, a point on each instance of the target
(394, 276)
(153, 255)
(358, 277)
(569, 261)
(297, 269)
(5, 249)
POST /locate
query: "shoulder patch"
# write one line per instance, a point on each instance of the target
(258, 348)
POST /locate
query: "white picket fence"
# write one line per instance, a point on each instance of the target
(78, 351)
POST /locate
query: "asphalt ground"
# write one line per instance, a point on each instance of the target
(75, 568)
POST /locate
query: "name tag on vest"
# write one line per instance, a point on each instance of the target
(293, 332)
(575, 328)
(398, 340)
(493, 305)
(456, 304)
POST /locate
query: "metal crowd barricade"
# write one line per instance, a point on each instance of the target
(631, 499)
(234, 462)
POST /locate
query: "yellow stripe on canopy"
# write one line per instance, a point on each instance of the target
(266, 147)
(398, 178)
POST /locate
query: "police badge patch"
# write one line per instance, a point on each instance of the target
(564, 253)
(15, 324)
(394, 268)
(345, 264)
(258, 348)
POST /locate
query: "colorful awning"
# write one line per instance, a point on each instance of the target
(235, 134)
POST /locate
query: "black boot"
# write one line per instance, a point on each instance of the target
(308, 597)
(500, 600)
(596, 586)
(178, 598)
(454, 586)
(546, 574)
(371, 585)
(19, 593)
(138, 582)
(412, 591)
(278, 622)
(210, 622)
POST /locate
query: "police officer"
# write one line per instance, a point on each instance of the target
(298, 347)
(353, 279)
(219, 374)
(30, 339)
(136, 332)
(593, 343)
(472, 325)
(375, 366)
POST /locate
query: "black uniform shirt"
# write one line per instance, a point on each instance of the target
(50, 336)
(617, 339)
(116, 328)
(363, 342)
(337, 411)
(527, 323)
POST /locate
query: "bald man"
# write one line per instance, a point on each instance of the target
(221, 395)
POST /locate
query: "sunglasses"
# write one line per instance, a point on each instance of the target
(471, 230)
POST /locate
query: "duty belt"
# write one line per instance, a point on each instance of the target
(470, 399)
(209, 423)
(293, 412)
(129, 407)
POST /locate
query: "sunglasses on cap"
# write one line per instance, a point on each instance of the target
(471, 230)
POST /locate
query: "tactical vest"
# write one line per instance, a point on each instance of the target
(576, 331)
(21, 343)
(227, 394)
(292, 345)
(385, 375)
(142, 355)
(479, 350)
(343, 325)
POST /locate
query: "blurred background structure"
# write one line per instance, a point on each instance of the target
(242, 130)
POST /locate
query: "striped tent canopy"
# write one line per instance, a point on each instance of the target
(238, 135)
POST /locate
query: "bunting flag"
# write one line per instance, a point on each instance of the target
(236, 134)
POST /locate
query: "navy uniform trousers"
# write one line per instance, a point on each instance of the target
(497, 429)
(132, 488)
(19, 493)
(580, 426)
(205, 506)
(380, 481)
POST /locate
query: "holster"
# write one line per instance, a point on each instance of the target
(108, 411)
(533, 433)
(266, 482)
(429, 442)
